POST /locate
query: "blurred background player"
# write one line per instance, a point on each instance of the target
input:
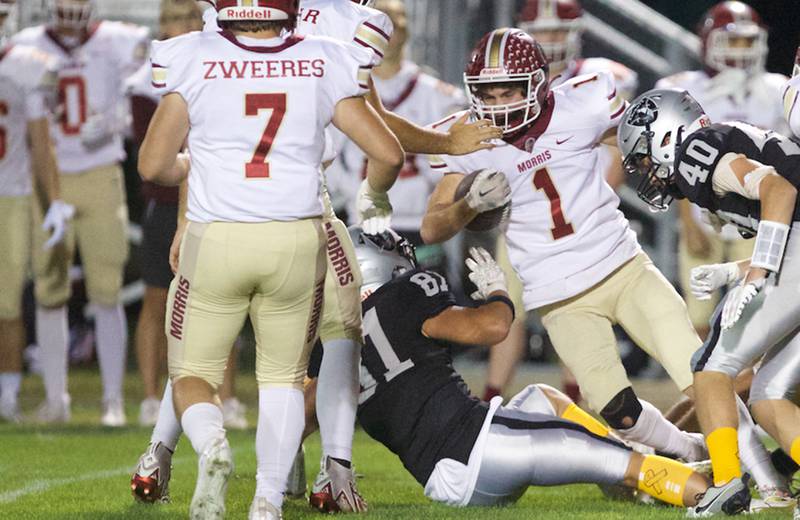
(410, 92)
(732, 86)
(27, 89)
(791, 93)
(94, 60)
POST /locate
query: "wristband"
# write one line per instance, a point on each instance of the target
(502, 299)
(770, 245)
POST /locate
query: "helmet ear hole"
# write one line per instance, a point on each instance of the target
(667, 138)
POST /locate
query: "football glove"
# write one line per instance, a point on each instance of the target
(55, 221)
(706, 279)
(738, 299)
(484, 273)
(489, 190)
(374, 209)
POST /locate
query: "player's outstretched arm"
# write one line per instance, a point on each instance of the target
(485, 325)
(160, 159)
(462, 138)
(444, 218)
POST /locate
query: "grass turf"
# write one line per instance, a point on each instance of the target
(82, 471)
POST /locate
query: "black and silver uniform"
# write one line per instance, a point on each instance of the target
(412, 400)
(698, 155)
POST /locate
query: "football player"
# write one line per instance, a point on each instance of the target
(94, 60)
(464, 451)
(747, 177)
(732, 86)
(262, 181)
(581, 265)
(791, 91)
(27, 85)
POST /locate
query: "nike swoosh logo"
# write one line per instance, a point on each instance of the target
(562, 141)
(482, 193)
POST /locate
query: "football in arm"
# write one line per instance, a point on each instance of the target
(488, 219)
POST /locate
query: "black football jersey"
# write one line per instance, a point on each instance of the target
(412, 400)
(699, 154)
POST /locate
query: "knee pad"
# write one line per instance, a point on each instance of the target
(532, 400)
(623, 410)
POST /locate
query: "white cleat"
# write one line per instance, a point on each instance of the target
(297, 485)
(772, 497)
(113, 413)
(51, 413)
(148, 411)
(150, 480)
(213, 471)
(261, 509)
(233, 414)
(731, 498)
(335, 490)
(9, 411)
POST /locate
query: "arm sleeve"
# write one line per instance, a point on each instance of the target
(725, 181)
(374, 34)
(36, 105)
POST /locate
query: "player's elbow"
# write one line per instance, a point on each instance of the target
(493, 326)
(430, 232)
(149, 169)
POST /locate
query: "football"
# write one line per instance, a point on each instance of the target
(488, 219)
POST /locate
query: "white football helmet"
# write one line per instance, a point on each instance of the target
(381, 257)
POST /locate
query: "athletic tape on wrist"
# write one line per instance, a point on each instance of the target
(770, 245)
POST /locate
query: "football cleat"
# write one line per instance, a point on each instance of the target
(213, 471)
(334, 490)
(233, 414)
(150, 481)
(148, 411)
(113, 413)
(297, 484)
(731, 498)
(51, 413)
(261, 509)
(772, 497)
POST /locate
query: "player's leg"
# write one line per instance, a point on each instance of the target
(544, 399)
(700, 311)
(103, 243)
(208, 303)
(337, 385)
(529, 449)
(15, 249)
(285, 314)
(52, 290)
(233, 410)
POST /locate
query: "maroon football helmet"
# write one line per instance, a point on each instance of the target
(258, 10)
(724, 29)
(504, 56)
(562, 20)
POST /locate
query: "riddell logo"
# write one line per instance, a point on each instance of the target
(246, 13)
(179, 309)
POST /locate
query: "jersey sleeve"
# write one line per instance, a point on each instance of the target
(130, 43)
(791, 110)
(168, 64)
(604, 105)
(348, 71)
(35, 73)
(422, 296)
(445, 163)
(374, 33)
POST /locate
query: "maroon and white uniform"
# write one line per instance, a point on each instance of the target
(627, 80)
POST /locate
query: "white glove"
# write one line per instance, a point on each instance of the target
(706, 279)
(489, 190)
(97, 131)
(55, 221)
(374, 209)
(737, 299)
(484, 273)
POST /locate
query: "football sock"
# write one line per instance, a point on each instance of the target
(337, 397)
(167, 429)
(723, 447)
(52, 336)
(754, 457)
(664, 479)
(796, 450)
(281, 419)
(112, 343)
(9, 386)
(202, 423)
(654, 430)
(575, 414)
(784, 463)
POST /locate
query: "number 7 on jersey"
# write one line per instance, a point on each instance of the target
(258, 167)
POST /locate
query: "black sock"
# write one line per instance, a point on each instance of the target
(345, 463)
(785, 465)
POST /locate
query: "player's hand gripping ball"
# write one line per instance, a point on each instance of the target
(487, 192)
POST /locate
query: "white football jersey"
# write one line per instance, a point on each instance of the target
(140, 83)
(90, 81)
(762, 107)
(791, 110)
(422, 99)
(27, 77)
(626, 79)
(258, 110)
(565, 231)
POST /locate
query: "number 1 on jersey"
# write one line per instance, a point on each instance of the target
(258, 167)
(542, 181)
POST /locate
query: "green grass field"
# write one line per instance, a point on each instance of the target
(83, 470)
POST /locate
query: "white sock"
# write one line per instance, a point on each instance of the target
(754, 456)
(112, 345)
(53, 338)
(202, 423)
(654, 430)
(167, 429)
(9, 386)
(281, 420)
(337, 397)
